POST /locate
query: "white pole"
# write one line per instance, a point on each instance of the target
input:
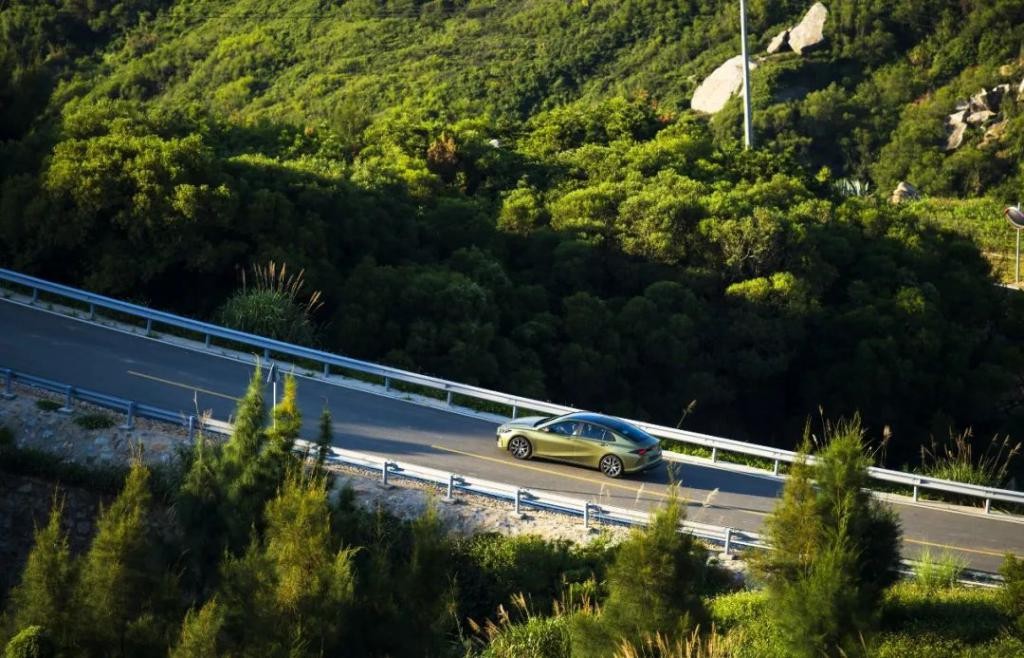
(748, 126)
(1017, 275)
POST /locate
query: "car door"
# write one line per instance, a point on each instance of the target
(592, 443)
(556, 440)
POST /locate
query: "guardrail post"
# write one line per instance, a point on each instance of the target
(92, 311)
(387, 385)
(775, 468)
(586, 515)
(714, 455)
(69, 400)
(206, 343)
(450, 495)
(384, 473)
(191, 427)
(728, 541)
(266, 354)
(8, 391)
(988, 505)
(327, 370)
(35, 295)
(448, 401)
(519, 496)
(515, 410)
(149, 326)
(916, 491)
(129, 423)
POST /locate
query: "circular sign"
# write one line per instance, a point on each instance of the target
(1015, 216)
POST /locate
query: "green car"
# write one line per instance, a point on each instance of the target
(609, 444)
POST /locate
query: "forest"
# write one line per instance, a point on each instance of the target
(517, 195)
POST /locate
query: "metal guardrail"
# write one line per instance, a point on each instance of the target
(520, 497)
(270, 347)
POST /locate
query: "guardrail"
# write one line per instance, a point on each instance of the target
(327, 360)
(520, 497)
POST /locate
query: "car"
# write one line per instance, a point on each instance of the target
(606, 443)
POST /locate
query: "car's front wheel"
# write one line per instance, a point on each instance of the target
(611, 466)
(520, 447)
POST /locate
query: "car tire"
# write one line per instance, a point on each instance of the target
(520, 448)
(611, 466)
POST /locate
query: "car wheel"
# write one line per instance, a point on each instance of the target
(520, 447)
(611, 466)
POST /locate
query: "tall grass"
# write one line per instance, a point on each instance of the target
(955, 460)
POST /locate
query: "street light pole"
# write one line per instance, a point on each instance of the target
(748, 126)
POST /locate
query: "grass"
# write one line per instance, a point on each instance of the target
(48, 405)
(936, 572)
(94, 421)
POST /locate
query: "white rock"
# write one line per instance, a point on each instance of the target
(782, 39)
(904, 192)
(980, 117)
(956, 137)
(716, 90)
(810, 31)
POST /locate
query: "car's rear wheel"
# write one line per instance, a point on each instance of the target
(520, 447)
(611, 466)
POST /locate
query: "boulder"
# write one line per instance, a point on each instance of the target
(716, 90)
(980, 117)
(810, 32)
(988, 99)
(956, 137)
(904, 192)
(994, 133)
(780, 41)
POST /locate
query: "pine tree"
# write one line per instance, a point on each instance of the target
(200, 632)
(292, 591)
(652, 586)
(31, 642)
(41, 598)
(120, 584)
(835, 550)
(287, 420)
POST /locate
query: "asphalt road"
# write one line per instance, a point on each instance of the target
(153, 372)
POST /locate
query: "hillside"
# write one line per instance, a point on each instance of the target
(517, 195)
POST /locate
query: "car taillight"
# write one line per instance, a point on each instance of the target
(642, 451)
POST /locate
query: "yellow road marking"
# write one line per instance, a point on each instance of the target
(181, 385)
(539, 469)
(616, 485)
(980, 551)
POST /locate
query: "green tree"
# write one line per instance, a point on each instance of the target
(121, 589)
(1012, 598)
(200, 632)
(835, 550)
(31, 642)
(41, 598)
(653, 587)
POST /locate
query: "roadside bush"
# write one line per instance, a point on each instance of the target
(537, 637)
(48, 405)
(940, 571)
(1012, 601)
(94, 421)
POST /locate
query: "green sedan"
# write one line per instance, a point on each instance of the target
(609, 444)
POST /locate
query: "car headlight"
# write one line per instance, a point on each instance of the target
(502, 428)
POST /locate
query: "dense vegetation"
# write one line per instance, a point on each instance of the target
(242, 549)
(516, 195)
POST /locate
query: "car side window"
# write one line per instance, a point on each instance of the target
(564, 428)
(592, 432)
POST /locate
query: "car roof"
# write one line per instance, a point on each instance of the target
(589, 417)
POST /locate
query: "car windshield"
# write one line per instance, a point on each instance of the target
(549, 420)
(631, 432)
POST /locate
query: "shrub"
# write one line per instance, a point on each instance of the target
(48, 405)
(94, 421)
(273, 306)
(537, 637)
(1012, 600)
(938, 572)
(955, 460)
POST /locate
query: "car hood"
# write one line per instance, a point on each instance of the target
(525, 421)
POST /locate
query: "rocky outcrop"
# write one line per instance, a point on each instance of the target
(716, 90)
(810, 32)
(904, 192)
(980, 111)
